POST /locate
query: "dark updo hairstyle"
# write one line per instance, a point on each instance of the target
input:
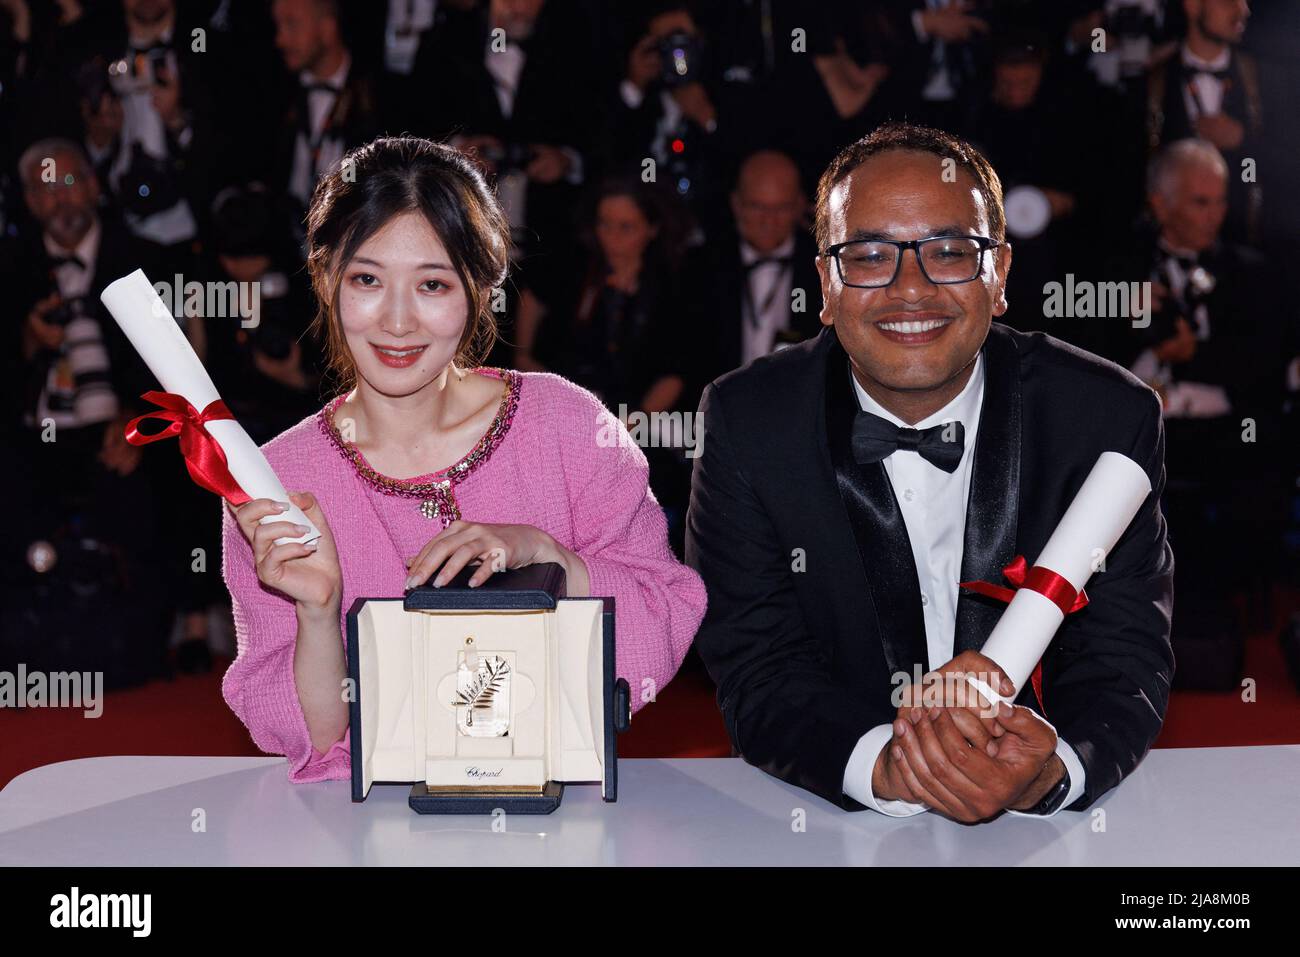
(388, 177)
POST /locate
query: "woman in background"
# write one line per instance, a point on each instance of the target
(612, 324)
(615, 324)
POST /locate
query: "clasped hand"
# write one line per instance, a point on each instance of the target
(962, 755)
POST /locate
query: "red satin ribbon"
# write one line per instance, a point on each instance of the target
(204, 458)
(1042, 580)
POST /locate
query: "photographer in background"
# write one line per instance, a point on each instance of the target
(87, 520)
(504, 82)
(1018, 123)
(263, 364)
(328, 103)
(253, 323)
(666, 108)
(1215, 352)
(616, 321)
(1205, 87)
(147, 119)
(1131, 29)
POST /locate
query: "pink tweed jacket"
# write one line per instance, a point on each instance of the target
(553, 459)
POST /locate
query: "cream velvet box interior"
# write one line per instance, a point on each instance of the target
(484, 694)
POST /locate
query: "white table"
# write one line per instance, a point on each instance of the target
(1191, 806)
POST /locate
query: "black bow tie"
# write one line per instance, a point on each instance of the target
(1219, 75)
(310, 88)
(767, 261)
(57, 261)
(875, 438)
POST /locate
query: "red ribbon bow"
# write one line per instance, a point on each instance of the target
(204, 458)
(1042, 580)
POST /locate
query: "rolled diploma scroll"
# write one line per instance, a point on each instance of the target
(1103, 508)
(162, 345)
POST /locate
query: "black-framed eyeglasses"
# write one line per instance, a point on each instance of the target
(871, 263)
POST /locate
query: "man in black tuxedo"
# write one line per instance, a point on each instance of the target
(329, 104)
(150, 114)
(942, 49)
(78, 371)
(833, 573)
(1216, 351)
(1206, 87)
(755, 286)
(1214, 345)
(503, 81)
(73, 382)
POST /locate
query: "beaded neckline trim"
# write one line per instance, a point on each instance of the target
(436, 487)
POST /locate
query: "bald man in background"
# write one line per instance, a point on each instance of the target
(757, 281)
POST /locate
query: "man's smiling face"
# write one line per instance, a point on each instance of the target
(902, 195)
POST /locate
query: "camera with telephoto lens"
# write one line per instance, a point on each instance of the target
(1132, 25)
(1164, 321)
(69, 310)
(138, 72)
(679, 55)
(1130, 21)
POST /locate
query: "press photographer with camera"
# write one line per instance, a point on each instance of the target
(1214, 351)
(84, 504)
(146, 117)
(502, 78)
(265, 365)
(665, 108)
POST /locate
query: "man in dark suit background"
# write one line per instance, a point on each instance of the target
(150, 114)
(1206, 87)
(326, 102)
(74, 381)
(832, 573)
(756, 286)
(498, 81)
(1216, 350)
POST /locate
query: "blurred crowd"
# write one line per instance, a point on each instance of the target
(655, 160)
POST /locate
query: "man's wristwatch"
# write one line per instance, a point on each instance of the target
(1054, 798)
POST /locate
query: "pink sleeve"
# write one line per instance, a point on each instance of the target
(622, 536)
(259, 685)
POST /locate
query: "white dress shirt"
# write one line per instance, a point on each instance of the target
(938, 85)
(769, 296)
(1183, 399)
(505, 65)
(315, 156)
(407, 21)
(933, 504)
(1203, 95)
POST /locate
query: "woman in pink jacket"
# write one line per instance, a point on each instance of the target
(406, 245)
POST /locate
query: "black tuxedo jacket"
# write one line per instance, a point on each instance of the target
(1246, 352)
(30, 279)
(1167, 121)
(719, 289)
(460, 97)
(803, 659)
(356, 118)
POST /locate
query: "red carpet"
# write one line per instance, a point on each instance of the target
(187, 716)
